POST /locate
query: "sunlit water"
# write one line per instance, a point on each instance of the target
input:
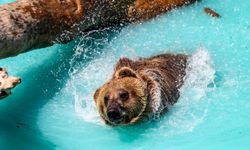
(53, 108)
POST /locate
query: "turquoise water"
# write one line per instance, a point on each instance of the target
(53, 107)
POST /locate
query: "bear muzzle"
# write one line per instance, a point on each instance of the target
(114, 112)
(115, 115)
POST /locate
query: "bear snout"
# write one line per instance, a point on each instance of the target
(114, 112)
(114, 115)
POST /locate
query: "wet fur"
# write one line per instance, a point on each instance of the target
(160, 77)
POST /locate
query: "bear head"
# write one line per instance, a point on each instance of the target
(123, 99)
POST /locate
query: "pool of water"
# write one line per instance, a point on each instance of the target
(53, 108)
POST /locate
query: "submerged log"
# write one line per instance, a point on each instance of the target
(29, 24)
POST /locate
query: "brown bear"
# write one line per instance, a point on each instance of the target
(7, 83)
(140, 89)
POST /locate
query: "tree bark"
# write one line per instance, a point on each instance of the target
(30, 24)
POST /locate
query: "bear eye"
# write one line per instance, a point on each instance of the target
(124, 95)
(106, 98)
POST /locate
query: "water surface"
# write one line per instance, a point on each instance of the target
(53, 108)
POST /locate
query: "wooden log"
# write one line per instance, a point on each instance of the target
(147, 9)
(30, 24)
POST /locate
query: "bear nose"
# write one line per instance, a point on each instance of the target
(114, 115)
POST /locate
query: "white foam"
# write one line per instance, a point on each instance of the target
(192, 106)
(200, 72)
(83, 85)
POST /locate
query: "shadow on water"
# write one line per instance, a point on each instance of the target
(18, 121)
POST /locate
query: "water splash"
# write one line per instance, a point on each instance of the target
(94, 74)
(192, 106)
(182, 117)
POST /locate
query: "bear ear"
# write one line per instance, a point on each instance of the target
(124, 62)
(97, 92)
(125, 72)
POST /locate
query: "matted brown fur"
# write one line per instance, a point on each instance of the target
(152, 85)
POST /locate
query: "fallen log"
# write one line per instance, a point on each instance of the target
(30, 24)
